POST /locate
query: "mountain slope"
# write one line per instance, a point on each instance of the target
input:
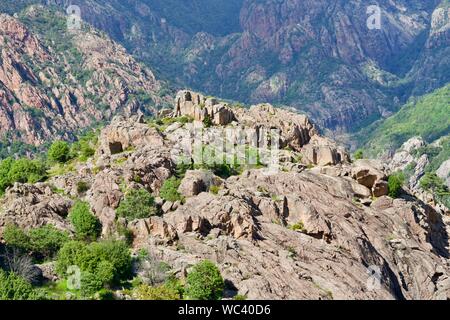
(54, 83)
(317, 56)
(427, 117)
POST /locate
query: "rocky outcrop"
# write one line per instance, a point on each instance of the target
(444, 172)
(200, 108)
(32, 206)
(248, 229)
(198, 181)
(127, 134)
(295, 131)
(372, 175)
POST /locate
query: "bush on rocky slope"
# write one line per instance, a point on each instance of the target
(205, 282)
(43, 242)
(87, 226)
(137, 204)
(13, 287)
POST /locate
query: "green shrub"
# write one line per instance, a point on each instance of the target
(205, 282)
(299, 226)
(214, 189)
(137, 204)
(207, 122)
(47, 240)
(87, 226)
(431, 182)
(90, 284)
(146, 292)
(395, 184)
(43, 242)
(109, 261)
(26, 171)
(169, 190)
(82, 187)
(13, 287)
(359, 154)
(115, 252)
(59, 151)
(16, 237)
(73, 253)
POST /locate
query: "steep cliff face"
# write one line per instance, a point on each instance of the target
(55, 82)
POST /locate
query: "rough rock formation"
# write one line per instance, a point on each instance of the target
(444, 172)
(296, 131)
(299, 233)
(198, 107)
(32, 206)
(413, 160)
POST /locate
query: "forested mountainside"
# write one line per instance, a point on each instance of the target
(55, 83)
(318, 56)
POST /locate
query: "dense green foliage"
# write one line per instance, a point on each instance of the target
(427, 117)
(146, 292)
(13, 287)
(22, 170)
(137, 204)
(43, 242)
(358, 155)
(395, 184)
(59, 151)
(87, 226)
(84, 147)
(205, 282)
(102, 263)
(169, 190)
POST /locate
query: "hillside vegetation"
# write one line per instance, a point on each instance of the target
(428, 117)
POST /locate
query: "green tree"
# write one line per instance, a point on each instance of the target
(137, 204)
(205, 282)
(5, 167)
(87, 226)
(59, 152)
(395, 184)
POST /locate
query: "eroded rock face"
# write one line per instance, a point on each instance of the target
(198, 181)
(123, 134)
(371, 174)
(33, 206)
(444, 172)
(198, 107)
(338, 239)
